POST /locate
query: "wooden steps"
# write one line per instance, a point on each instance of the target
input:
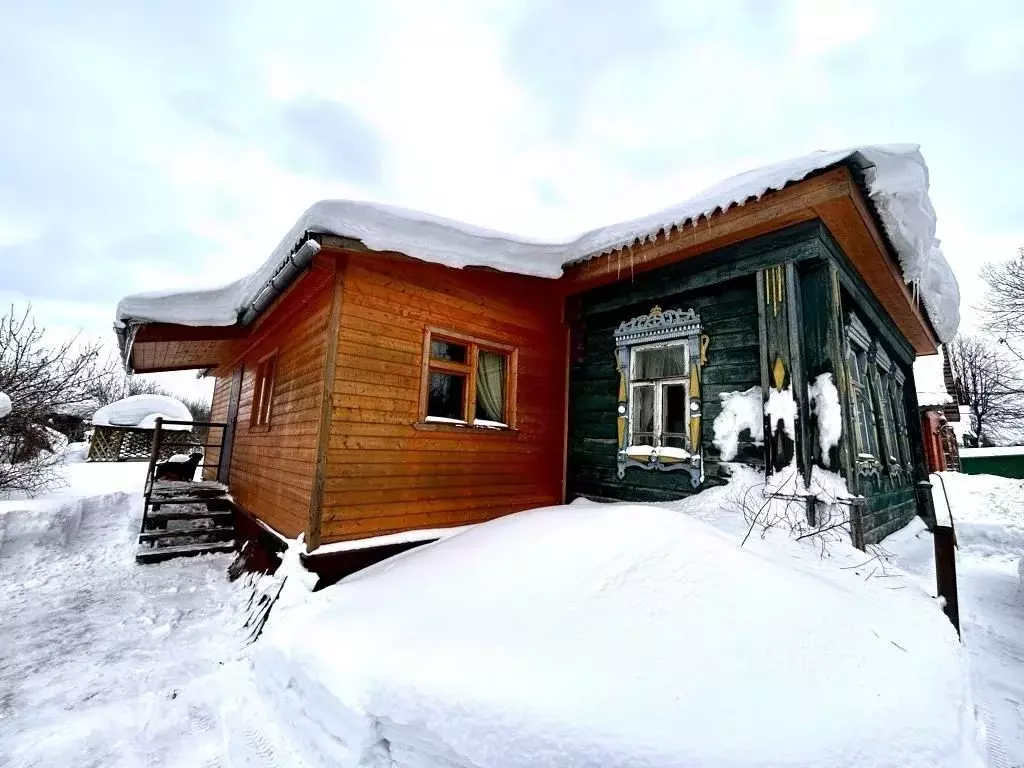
(157, 554)
(221, 533)
(183, 519)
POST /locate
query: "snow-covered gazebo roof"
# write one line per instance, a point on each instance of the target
(141, 412)
(896, 179)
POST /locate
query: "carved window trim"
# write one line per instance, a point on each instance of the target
(879, 391)
(658, 329)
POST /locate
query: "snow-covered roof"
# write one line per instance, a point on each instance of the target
(141, 411)
(5, 404)
(977, 453)
(896, 176)
(931, 381)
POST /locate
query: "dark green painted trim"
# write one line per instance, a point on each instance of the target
(879, 321)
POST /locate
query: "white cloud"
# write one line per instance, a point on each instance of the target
(174, 144)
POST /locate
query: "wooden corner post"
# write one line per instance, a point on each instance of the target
(779, 321)
(323, 435)
(824, 352)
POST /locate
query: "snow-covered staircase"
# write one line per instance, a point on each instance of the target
(185, 530)
(184, 519)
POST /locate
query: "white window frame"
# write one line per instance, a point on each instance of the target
(658, 385)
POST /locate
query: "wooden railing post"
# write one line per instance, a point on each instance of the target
(154, 453)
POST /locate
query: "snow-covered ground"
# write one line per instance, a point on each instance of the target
(639, 635)
(622, 635)
(989, 516)
(107, 663)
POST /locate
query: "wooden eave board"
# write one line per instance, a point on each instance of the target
(833, 197)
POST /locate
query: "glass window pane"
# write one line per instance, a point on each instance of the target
(446, 395)
(642, 418)
(447, 350)
(673, 408)
(673, 441)
(660, 363)
(490, 386)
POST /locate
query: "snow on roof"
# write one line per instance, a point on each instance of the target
(896, 177)
(616, 634)
(5, 405)
(931, 381)
(1009, 450)
(141, 411)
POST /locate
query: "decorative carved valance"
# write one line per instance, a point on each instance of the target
(658, 325)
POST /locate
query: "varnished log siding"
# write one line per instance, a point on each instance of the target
(272, 466)
(382, 474)
(728, 312)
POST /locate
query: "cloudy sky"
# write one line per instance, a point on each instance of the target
(170, 143)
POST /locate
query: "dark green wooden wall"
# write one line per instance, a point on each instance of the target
(722, 288)
(729, 315)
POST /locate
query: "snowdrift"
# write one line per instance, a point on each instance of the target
(616, 634)
(896, 176)
(141, 411)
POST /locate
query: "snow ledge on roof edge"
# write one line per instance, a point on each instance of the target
(896, 176)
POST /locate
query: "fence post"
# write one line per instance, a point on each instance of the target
(944, 536)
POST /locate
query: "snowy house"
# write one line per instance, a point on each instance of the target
(386, 371)
(941, 409)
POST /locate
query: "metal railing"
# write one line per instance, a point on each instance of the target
(206, 470)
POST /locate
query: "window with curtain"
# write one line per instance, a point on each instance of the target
(659, 395)
(467, 381)
(263, 391)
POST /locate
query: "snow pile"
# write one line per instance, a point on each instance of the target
(781, 408)
(824, 399)
(896, 176)
(741, 411)
(930, 380)
(988, 513)
(105, 662)
(142, 411)
(5, 405)
(616, 634)
(1006, 450)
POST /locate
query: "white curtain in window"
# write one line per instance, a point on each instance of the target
(490, 386)
(660, 363)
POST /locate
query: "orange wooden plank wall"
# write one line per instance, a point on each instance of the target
(218, 412)
(382, 474)
(272, 468)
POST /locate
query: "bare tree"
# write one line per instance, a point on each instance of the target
(115, 384)
(991, 382)
(1003, 307)
(41, 379)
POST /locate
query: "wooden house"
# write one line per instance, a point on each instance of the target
(939, 403)
(386, 371)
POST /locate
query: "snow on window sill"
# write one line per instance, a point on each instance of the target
(444, 424)
(662, 452)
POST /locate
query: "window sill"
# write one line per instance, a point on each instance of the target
(259, 427)
(451, 426)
